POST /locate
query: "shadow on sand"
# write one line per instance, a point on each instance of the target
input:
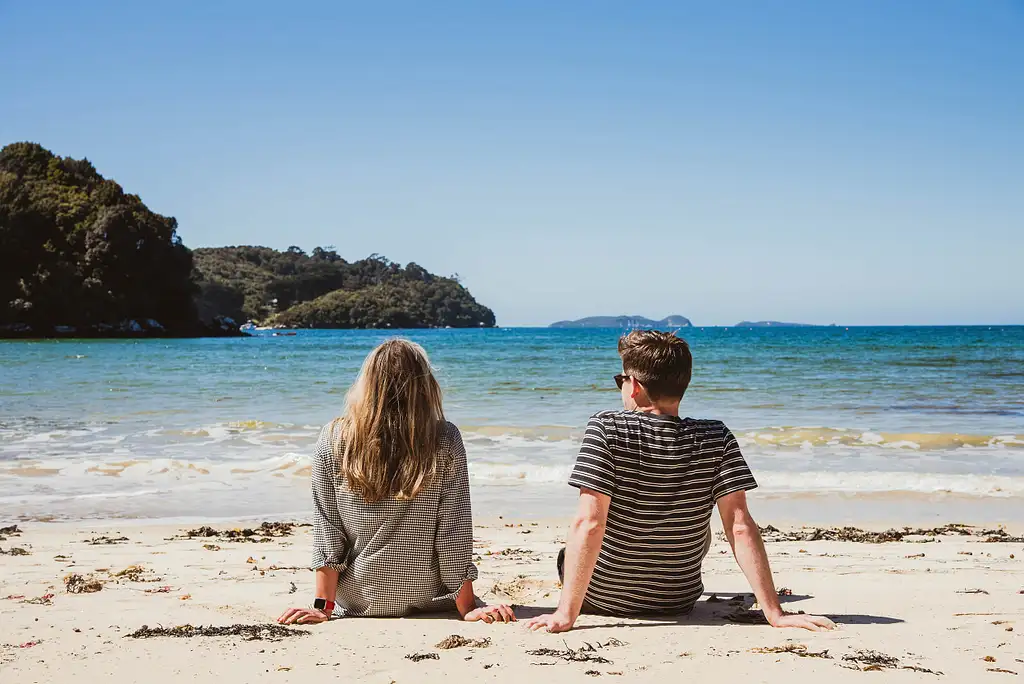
(713, 612)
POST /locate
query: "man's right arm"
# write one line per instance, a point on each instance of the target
(748, 548)
(594, 475)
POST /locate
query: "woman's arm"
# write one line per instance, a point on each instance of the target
(326, 586)
(327, 583)
(330, 545)
(454, 540)
(466, 604)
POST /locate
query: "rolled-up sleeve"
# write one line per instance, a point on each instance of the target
(454, 538)
(330, 545)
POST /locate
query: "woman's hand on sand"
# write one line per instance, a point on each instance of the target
(552, 622)
(303, 616)
(814, 623)
(489, 614)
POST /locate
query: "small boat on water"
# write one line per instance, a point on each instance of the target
(251, 327)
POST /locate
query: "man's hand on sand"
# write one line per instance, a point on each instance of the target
(814, 623)
(552, 622)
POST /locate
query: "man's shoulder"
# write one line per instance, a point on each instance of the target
(613, 421)
(608, 415)
(706, 426)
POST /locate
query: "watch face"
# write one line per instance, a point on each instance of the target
(320, 603)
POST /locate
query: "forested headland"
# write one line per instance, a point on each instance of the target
(79, 256)
(322, 290)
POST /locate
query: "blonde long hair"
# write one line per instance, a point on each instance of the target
(392, 425)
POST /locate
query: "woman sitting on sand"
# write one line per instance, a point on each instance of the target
(393, 526)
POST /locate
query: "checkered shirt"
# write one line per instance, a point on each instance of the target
(394, 557)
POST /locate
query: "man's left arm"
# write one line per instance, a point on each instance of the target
(586, 533)
(729, 491)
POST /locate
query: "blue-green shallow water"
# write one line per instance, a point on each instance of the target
(930, 418)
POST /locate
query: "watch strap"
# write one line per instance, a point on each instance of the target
(327, 607)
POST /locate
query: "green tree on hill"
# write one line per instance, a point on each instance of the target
(75, 249)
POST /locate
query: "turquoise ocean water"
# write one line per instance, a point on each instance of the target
(909, 423)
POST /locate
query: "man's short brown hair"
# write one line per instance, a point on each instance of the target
(660, 361)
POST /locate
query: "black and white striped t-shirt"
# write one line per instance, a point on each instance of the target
(664, 475)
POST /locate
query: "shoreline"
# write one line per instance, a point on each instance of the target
(944, 605)
(555, 504)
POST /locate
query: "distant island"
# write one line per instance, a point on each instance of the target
(625, 322)
(777, 324)
(80, 257)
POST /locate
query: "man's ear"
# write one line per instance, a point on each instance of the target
(637, 388)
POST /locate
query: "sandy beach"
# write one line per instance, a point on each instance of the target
(950, 604)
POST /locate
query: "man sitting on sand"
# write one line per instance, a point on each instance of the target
(648, 481)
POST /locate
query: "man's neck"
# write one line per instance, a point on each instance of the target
(661, 409)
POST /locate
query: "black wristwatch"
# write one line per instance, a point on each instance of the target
(324, 606)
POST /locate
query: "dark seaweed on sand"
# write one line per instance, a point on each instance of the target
(796, 649)
(611, 642)
(417, 657)
(916, 668)
(586, 653)
(11, 530)
(14, 551)
(267, 632)
(458, 641)
(133, 573)
(97, 541)
(854, 534)
(264, 533)
(1000, 536)
(872, 659)
(868, 661)
(76, 584)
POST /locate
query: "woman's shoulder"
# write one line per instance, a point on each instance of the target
(450, 430)
(330, 431)
(330, 439)
(449, 437)
(450, 442)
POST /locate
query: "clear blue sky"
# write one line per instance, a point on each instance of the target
(858, 162)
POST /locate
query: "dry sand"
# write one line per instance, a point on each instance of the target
(954, 605)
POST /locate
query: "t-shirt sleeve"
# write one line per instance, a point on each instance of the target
(595, 465)
(733, 474)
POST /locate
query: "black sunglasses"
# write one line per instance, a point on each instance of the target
(620, 378)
